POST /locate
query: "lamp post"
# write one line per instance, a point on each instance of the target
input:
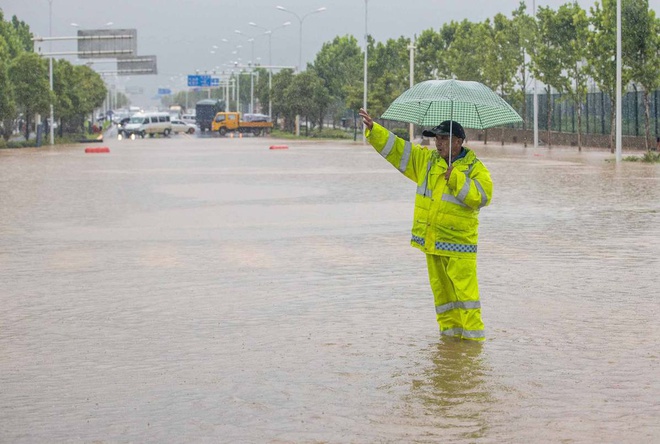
(236, 63)
(300, 20)
(235, 52)
(228, 73)
(238, 87)
(50, 72)
(229, 76)
(536, 97)
(619, 123)
(366, 48)
(269, 32)
(251, 63)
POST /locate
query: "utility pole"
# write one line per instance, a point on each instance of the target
(50, 72)
(269, 32)
(366, 48)
(619, 123)
(536, 97)
(411, 47)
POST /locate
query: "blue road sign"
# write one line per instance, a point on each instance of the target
(215, 81)
(199, 81)
(164, 91)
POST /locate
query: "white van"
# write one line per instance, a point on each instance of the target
(142, 124)
(189, 118)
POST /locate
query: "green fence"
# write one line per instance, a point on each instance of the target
(595, 113)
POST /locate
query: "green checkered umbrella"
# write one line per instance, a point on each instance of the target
(472, 104)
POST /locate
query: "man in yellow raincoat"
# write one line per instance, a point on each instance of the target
(445, 226)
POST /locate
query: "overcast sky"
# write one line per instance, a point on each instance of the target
(182, 33)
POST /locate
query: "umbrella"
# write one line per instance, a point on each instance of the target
(472, 104)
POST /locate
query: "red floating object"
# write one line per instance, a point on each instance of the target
(103, 149)
(279, 147)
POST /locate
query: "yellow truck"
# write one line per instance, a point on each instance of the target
(224, 122)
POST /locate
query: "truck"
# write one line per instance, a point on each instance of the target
(205, 111)
(176, 111)
(224, 122)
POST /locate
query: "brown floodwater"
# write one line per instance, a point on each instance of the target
(213, 290)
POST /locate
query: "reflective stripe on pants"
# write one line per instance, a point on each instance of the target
(456, 295)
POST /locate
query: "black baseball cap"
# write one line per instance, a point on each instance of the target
(444, 130)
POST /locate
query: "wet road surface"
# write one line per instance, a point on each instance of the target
(213, 290)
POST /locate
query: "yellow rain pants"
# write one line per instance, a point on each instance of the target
(456, 294)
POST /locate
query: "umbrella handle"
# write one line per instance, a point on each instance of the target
(451, 132)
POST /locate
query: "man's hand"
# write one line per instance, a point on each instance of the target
(448, 173)
(366, 119)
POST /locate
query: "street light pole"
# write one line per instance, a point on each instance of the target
(412, 47)
(227, 92)
(238, 92)
(300, 20)
(270, 62)
(366, 48)
(536, 97)
(50, 73)
(300, 48)
(252, 84)
(619, 124)
(251, 64)
(238, 78)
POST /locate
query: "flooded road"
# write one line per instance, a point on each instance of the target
(213, 290)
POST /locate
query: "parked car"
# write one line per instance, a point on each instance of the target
(179, 126)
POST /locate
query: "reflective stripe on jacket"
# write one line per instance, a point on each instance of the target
(446, 212)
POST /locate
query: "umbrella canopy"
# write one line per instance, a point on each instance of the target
(472, 104)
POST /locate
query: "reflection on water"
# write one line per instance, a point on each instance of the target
(454, 389)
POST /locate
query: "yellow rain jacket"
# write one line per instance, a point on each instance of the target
(445, 225)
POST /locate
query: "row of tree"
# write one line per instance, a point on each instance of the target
(562, 48)
(25, 86)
